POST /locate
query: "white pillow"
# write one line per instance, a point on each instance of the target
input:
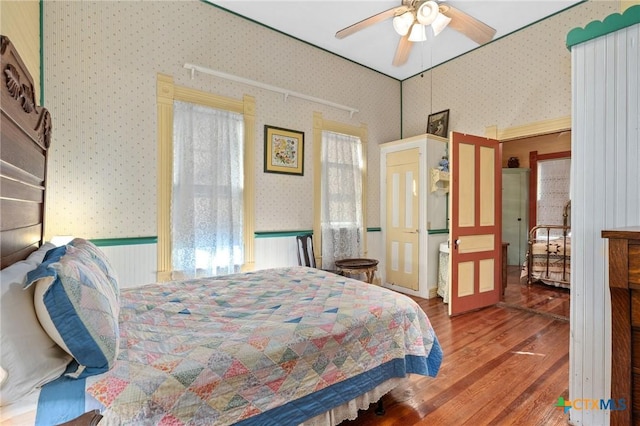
(37, 256)
(27, 353)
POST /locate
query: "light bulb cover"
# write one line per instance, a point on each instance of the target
(418, 33)
(427, 12)
(440, 23)
(402, 23)
(3, 375)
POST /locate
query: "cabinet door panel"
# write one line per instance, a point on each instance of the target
(515, 223)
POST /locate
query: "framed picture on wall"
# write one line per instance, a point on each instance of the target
(438, 123)
(283, 151)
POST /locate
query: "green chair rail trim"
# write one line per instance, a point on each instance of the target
(438, 231)
(105, 242)
(611, 23)
(276, 234)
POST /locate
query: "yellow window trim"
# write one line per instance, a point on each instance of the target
(320, 125)
(167, 92)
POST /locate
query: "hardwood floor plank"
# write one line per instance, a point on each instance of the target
(527, 406)
(501, 366)
(537, 296)
(496, 378)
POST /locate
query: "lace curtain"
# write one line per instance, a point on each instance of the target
(206, 200)
(341, 209)
(553, 192)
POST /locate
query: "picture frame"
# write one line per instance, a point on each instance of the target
(438, 123)
(283, 151)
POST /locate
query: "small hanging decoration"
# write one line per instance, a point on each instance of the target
(444, 164)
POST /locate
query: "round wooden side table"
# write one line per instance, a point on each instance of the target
(358, 266)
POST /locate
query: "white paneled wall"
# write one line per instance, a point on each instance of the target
(274, 252)
(136, 264)
(605, 184)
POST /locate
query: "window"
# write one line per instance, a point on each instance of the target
(341, 195)
(553, 192)
(340, 188)
(207, 199)
(240, 112)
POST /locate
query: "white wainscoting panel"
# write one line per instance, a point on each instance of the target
(374, 246)
(275, 252)
(136, 264)
(605, 187)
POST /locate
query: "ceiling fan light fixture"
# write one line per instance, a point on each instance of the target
(440, 23)
(402, 23)
(427, 12)
(418, 33)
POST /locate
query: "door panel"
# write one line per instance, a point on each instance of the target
(466, 187)
(475, 199)
(487, 176)
(465, 279)
(476, 243)
(402, 240)
(487, 276)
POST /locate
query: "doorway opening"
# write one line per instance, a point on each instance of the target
(538, 184)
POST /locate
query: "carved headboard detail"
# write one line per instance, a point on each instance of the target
(25, 138)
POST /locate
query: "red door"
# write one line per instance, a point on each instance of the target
(476, 223)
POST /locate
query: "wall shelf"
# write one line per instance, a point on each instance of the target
(439, 180)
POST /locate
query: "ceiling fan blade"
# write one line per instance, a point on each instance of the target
(378, 17)
(476, 30)
(402, 52)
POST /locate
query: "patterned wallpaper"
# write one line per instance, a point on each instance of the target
(20, 21)
(101, 61)
(516, 80)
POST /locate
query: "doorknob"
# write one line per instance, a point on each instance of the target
(456, 243)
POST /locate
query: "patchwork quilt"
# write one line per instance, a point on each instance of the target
(276, 346)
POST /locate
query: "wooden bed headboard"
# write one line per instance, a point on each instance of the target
(25, 136)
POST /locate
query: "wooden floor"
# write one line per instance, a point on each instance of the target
(538, 297)
(503, 365)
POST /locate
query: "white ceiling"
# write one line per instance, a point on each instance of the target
(316, 22)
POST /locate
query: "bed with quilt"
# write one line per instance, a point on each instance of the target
(278, 346)
(281, 346)
(549, 256)
(549, 253)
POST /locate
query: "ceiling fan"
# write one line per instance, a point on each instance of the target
(411, 19)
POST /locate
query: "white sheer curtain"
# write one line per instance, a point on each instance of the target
(341, 209)
(553, 192)
(206, 204)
